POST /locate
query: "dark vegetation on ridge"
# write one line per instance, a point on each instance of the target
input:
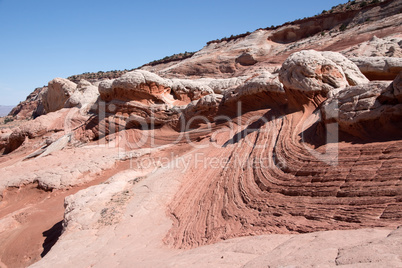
(349, 7)
(116, 74)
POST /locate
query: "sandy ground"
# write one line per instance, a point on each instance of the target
(34, 219)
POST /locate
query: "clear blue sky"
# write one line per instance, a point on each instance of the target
(43, 39)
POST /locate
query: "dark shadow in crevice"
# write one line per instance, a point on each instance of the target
(52, 235)
(254, 126)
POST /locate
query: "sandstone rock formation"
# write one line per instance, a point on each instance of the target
(32, 107)
(396, 87)
(367, 111)
(376, 47)
(311, 75)
(143, 86)
(379, 68)
(84, 97)
(137, 85)
(62, 120)
(267, 149)
(58, 92)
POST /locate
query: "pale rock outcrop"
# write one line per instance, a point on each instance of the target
(85, 96)
(105, 89)
(308, 76)
(138, 85)
(83, 84)
(201, 111)
(51, 147)
(367, 111)
(60, 169)
(134, 113)
(187, 89)
(379, 68)
(390, 46)
(262, 82)
(221, 85)
(246, 59)
(262, 90)
(62, 120)
(351, 71)
(147, 87)
(58, 92)
(100, 205)
(379, 252)
(4, 136)
(57, 145)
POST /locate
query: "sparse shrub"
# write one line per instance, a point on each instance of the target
(343, 27)
(363, 4)
(8, 119)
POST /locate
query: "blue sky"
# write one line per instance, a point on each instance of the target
(43, 39)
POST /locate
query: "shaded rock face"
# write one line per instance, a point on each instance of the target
(32, 107)
(58, 92)
(370, 110)
(246, 59)
(396, 87)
